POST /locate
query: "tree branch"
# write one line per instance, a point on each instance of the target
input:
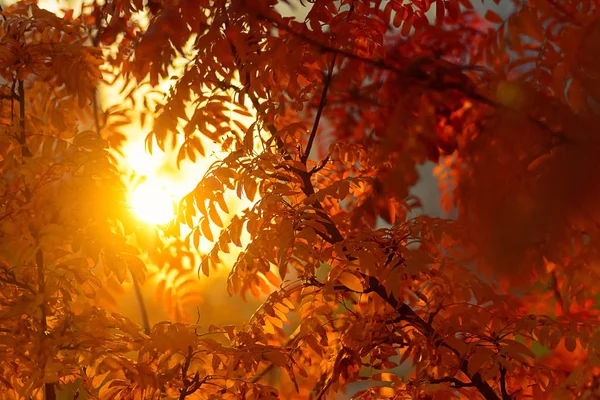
(321, 165)
(322, 103)
(411, 73)
(334, 236)
(49, 388)
(455, 382)
(505, 395)
(556, 292)
(374, 285)
(565, 12)
(12, 280)
(22, 138)
(269, 368)
(141, 305)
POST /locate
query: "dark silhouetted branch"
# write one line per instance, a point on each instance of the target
(322, 103)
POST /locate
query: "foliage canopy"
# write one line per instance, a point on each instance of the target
(321, 121)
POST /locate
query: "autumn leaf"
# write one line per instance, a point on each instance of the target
(277, 358)
(493, 17)
(308, 164)
(351, 281)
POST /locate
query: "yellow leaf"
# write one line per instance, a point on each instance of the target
(386, 377)
(196, 238)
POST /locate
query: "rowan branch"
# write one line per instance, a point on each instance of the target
(334, 236)
(565, 12)
(49, 388)
(556, 292)
(12, 280)
(22, 137)
(321, 165)
(410, 73)
(505, 395)
(405, 311)
(322, 103)
(141, 304)
(291, 340)
(455, 383)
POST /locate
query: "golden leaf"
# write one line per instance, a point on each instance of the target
(351, 281)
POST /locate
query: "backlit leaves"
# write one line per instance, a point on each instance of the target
(321, 148)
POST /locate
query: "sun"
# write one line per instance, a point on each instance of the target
(152, 203)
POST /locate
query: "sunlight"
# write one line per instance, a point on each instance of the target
(152, 203)
(157, 183)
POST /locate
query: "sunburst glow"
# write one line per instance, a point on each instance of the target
(152, 203)
(165, 181)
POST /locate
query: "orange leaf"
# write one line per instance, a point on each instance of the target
(214, 216)
(351, 281)
(205, 266)
(205, 226)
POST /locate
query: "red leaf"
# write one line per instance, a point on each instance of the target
(493, 17)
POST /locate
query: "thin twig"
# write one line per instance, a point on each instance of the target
(49, 388)
(321, 165)
(22, 137)
(455, 383)
(556, 292)
(291, 340)
(322, 103)
(141, 304)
